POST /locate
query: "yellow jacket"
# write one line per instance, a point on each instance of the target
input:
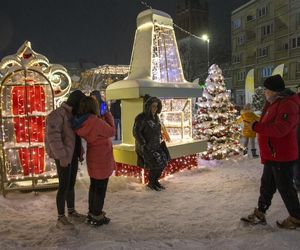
(248, 117)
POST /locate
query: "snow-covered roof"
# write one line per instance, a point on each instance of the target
(129, 89)
(154, 16)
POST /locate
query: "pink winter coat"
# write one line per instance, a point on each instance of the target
(99, 157)
(60, 137)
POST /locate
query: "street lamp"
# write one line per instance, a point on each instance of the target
(205, 38)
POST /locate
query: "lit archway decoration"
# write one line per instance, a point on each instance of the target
(30, 88)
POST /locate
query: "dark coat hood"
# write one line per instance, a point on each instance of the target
(148, 100)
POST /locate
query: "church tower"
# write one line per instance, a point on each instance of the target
(192, 15)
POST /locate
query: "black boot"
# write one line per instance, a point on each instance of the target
(153, 186)
(254, 155)
(157, 183)
(245, 151)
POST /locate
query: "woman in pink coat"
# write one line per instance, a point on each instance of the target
(97, 131)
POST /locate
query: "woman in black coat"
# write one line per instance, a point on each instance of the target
(147, 134)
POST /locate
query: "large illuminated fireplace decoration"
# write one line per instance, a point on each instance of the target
(30, 89)
(156, 70)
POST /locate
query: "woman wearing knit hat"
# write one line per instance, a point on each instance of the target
(65, 147)
(277, 141)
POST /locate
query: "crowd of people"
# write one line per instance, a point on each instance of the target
(90, 118)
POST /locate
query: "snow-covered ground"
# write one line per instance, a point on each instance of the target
(200, 209)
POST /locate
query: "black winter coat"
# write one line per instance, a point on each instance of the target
(147, 134)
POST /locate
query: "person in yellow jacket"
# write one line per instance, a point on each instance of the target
(247, 118)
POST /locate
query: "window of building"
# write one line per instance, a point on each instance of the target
(236, 59)
(295, 42)
(241, 75)
(262, 11)
(298, 19)
(262, 51)
(240, 39)
(298, 67)
(266, 71)
(250, 18)
(267, 29)
(236, 24)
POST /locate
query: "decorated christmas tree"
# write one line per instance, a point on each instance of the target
(215, 119)
(258, 99)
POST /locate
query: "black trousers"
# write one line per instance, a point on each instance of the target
(297, 173)
(67, 179)
(154, 175)
(97, 194)
(279, 175)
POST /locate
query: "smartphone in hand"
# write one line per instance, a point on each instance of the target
(103, 108)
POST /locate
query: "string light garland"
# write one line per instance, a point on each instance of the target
(174, 24)
(175, 165)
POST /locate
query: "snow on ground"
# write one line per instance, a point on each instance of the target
(200, 209)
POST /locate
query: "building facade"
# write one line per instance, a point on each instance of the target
(265, 34)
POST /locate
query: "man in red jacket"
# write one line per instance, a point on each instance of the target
(277, 141)
(297, 165)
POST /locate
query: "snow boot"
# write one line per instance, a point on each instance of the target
(64, 223)
(153, 186)
(157, 184)
(254, 155)
(255, 218)
(75, 216)
(289, 223)
(97, 220)
(245, 151)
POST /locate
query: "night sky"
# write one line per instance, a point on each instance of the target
(99, 31)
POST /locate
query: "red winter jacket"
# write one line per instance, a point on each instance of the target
(99, 156)
(277, 129)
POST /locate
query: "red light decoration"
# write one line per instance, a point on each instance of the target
(175, 165)
(30, 127)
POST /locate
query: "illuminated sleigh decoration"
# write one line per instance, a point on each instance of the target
(30, 88)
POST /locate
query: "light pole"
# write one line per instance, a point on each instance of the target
(205, 38)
